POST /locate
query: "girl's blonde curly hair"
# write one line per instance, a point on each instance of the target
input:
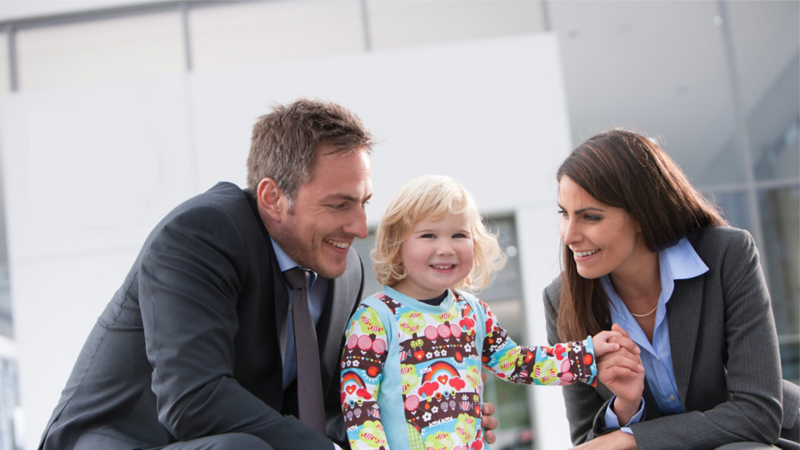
(430, 197)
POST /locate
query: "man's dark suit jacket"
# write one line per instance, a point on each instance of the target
(189, 347)
(724, 354)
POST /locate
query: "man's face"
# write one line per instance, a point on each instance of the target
(327, 213)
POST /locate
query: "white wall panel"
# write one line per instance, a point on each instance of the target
(93, 168)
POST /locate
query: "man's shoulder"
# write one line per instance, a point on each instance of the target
(223, 198)
(221, 213)
(221, 194)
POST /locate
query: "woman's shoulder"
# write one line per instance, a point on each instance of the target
(715, 245)
(714, 239)
(552, 293)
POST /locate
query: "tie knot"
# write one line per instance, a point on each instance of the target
(296, 278)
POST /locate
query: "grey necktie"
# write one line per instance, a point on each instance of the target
(309, 377)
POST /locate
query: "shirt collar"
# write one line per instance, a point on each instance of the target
(285, 262)
(682, 261)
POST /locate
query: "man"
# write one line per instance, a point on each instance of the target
(206, 345)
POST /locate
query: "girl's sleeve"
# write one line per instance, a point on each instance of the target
(362, 370)
(559, 365)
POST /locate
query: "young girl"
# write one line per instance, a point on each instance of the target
(411, 363)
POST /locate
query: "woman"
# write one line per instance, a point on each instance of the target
(644, 250)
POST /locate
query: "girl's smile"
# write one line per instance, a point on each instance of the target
(438, 254)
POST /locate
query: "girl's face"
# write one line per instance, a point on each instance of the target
(603, 239)
(437, 255)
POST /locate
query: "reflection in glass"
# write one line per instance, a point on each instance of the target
(774, 126)
(780, 218)
(767, 55)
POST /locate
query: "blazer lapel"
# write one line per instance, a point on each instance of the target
(683, 311)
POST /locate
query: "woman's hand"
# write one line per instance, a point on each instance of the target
(616, 440)
(622, 372)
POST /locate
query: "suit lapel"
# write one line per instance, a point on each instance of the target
(650, 405)
(342, 298)
(683, 311)
(280, 295)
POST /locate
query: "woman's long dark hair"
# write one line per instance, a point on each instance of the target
(626, 170)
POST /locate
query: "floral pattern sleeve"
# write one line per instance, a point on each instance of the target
(559, 365)
(362, 371)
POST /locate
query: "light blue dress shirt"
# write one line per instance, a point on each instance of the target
(679, 262)
(316, 303)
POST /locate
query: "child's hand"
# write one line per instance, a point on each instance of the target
(611, 341)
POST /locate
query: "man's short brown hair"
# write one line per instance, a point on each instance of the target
(286, 140)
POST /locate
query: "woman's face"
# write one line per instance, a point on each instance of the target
(603, 239)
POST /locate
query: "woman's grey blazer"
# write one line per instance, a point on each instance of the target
(724, 352)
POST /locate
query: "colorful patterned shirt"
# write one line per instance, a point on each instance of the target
(413, 380)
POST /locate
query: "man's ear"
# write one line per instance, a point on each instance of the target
(271, 200)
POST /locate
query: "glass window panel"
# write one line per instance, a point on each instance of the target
(724, 166)
(5, 75)
(9, 391)
(774, 125)
(258, 33)
(780, 219)
(655, 67)
(6, 322)
(734, 208)
(10, 423)
(510, 400)
(506, 283)
(100, 50)
(398, 23)
(767, 49)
